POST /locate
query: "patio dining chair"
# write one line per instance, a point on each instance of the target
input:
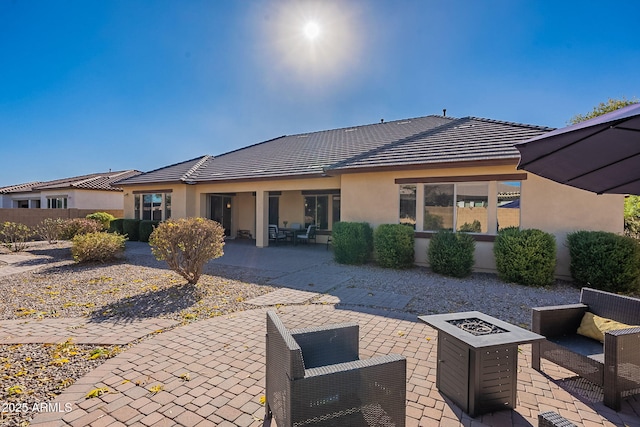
(314, 377)
(276, 235)
(309, 235)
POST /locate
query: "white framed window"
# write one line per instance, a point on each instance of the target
(59, 202)
(153, 206)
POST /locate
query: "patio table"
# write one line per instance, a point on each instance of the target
(478, 360)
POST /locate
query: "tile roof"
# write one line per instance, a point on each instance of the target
(416, 141)
(18, 188)
(466, 139)
(294, 155)
(96, 181)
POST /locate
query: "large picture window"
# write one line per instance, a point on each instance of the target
(461, 206)
(153, 206)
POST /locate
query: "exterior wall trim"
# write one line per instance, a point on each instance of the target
(462, 178)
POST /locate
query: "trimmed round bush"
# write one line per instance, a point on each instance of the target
(131, 229)
(187, 244)
(146, 228)
(103, 218)
(393, 245)
(97, 247)
(605, 261)
(352, 242)
(116, 226)
(526, 257)
(451, 254)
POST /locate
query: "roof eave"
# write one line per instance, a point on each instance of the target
(431, 165)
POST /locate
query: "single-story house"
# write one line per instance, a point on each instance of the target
(430, 172)
(93, 191)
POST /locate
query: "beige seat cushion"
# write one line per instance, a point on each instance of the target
(593, 326)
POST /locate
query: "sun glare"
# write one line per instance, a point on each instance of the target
(311, 30)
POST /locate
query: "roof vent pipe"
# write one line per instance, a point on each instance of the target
(444, 112)
(381, 120)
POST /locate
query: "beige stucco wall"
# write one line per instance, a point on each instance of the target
(90, 199)
(546, 205)
(374, 198)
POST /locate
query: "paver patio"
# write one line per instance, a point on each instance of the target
(224, 360)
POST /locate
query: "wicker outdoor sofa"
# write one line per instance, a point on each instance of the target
(614, 364)
(314, 377)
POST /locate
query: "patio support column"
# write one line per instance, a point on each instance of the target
(262, 218)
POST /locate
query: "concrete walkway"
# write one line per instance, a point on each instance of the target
(211, 372)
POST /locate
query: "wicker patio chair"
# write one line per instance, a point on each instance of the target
(614, 365)
(314, 377)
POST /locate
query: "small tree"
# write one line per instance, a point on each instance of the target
(187, 244)
(15, 235)
(50, 229)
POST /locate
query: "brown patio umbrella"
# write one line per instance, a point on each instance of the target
(601, 155)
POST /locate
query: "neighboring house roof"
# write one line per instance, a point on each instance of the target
(96, 181)
(402, 143)
(18, 188)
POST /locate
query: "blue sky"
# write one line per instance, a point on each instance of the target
(87, 85)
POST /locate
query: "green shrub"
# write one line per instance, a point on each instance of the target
(187, 244)
(115, 226)
(527, 257)
(451, 254)
(103, 218)
(131, 229)
(15, 235)
(605, 261)
(393, 245)
(50, 229)
(98, 246)
(73, 227)
(146, 228)
(352, 242)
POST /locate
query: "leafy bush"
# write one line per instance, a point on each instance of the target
(97, 246)
(605, 261)
(187, 244)
(352, 242)
(15, 236)
(146, 228)
(116, 226)
(75, 226)
(131, 229)
(50, 229)
(527, 257)
(451, 254)
(103, 218)
(393, 245)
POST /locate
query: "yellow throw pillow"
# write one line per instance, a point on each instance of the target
(593, 326)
